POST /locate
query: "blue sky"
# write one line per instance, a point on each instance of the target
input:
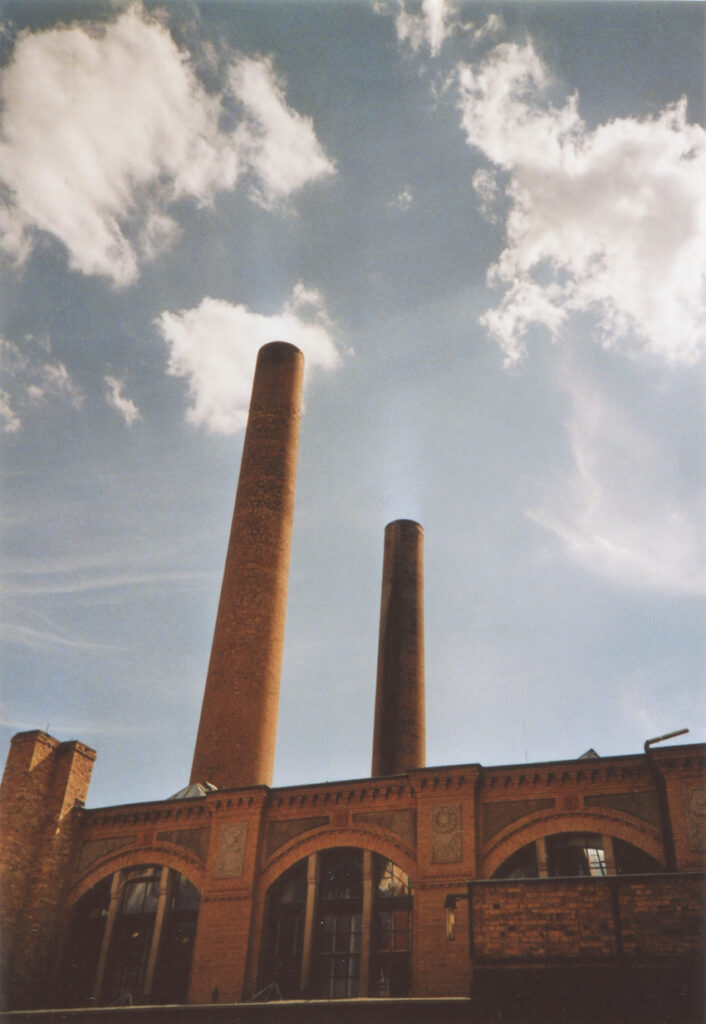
(485, 225)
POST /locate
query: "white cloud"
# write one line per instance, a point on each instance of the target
(214, 347)
(104, 127)
(53, 380)
(117, 400)
(30, 379)
(429, 25)
(485, 185)
(278, 144)
(11, 422)
(403, 200)
(492, 25)
(610, 221)
(624, 513)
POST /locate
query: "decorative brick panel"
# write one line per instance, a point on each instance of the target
(498, 814)
(446, 837)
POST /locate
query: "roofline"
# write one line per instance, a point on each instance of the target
(415, 772)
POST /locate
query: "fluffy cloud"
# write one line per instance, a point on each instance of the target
(117, 400)
(277, 143)
(104, 127)
(609, 221)
(214, 347)
(628, 511)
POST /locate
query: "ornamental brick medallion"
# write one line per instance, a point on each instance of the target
(446, 838)
(696, 817)
(231, 850)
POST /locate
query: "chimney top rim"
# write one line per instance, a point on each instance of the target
(278, 350)
(405, 524)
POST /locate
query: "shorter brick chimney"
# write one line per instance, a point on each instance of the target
(399, 737)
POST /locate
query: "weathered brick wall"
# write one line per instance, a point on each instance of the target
(663, 917)
(588, 919)
(542, 920)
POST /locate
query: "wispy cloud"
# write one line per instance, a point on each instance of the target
(426, 25)
(53, 380)
(11, 422)
(105, 127)
(71, 583)
(214, 347)
(28, 636)
(403, 200)
(30, 379)
(117, 400)
(623, 512)
(608, 221)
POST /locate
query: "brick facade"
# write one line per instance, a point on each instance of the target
(443, 827)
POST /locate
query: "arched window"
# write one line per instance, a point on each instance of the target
(131, 938)
(338, 925)
(577, 854)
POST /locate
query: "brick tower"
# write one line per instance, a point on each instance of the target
(235, 745)
(44, 783)
(399, 737)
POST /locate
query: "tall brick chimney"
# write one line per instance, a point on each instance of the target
(235, 745)
(399, 737)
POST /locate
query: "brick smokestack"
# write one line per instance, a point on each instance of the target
(235, 745)
(399, 737)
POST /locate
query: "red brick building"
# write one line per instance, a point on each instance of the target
(578, 880)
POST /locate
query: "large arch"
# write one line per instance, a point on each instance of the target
(174, 858)
(513, 838)
(376, 840)
(130, 933)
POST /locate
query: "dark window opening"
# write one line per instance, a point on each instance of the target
(522, 864)
(83, 945)
(338, 955)
(577, 855)
(336, 968)
(176, 946)
(630, 860)
(284, 935)
(574, 855)
(392, 931)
